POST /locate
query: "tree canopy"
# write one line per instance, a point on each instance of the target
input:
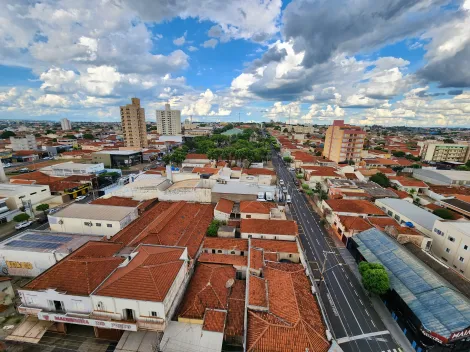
(177, 156)
(21, 217)
(381, 179)
(88, 136)
(443, 213)
(374, 277)
(7, 134)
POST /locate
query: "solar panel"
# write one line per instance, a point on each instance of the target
(32, 244)
(48, 238)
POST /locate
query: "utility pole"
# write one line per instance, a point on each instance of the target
(324, 263)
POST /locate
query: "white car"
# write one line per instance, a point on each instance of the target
(7, 165)
(79, 198)
(23, 224)
(291, 169)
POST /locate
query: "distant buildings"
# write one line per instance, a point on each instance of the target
(23, 143)
(169, 121)
(343, 142)
(133, 125)
(117, 158)
(65, 124)
(432, 151)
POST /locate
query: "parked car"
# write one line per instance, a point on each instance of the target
(291, 169)
(79, 198)
(53, 210)
(23, 224)
(42, 220)
(296, 182)
(7, 165)
(24, 170)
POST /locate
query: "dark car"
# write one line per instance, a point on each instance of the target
(296, 182)
(42, 220)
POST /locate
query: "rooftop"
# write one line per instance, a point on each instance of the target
(255, 207)
(224, 206)
(147, 277)
(235, 187)
(75, 166)
(359, 206)
(229, 259)
(411, 211)
(214, 320)
(11, 190)
(197, 156)
(275, 246)
(93, 212)
(258, 171)
(231, 244)
(355, 223)
(439, 308)
(116, 201)
(117, 152)
(408, 182)
(272, 227)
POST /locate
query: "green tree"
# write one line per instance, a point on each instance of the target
(214, 154)
(70, 136)
(42, 207)
(88, 136)
(285, 130)
(374, 278)
(448, 140)
(21, 217)
(398, 154)
(278, 128)
(381, 179)
(443, 213)
(213, 228)
(299, 176)
(50, 132)
(37, 135)
(7, 134)
(287, 159)
(305, 186)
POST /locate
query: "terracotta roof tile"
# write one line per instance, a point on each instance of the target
(207, 289)
(231, 244)
(224, 206)
(147, 277)
(256, 258)
(257, 295)
(230, 259)
(275, 246)
(273, 227)
(260, 171)
(408, 182)
(236, 310)
(359, 206)
(255, 207)
(214, 320)
(447, 190)
(197, 156)
(400, 194)
(381, 222)
(82, 271)
(293, 322)
(324, 171)
(354, 223)
(205, 170)
(117, 201)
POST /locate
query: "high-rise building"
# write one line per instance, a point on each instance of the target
(169, 121)
(343, 142)
(133, 124)
(27, 142)
(435, 151)
(65, 124)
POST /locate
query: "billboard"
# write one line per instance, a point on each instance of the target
(106, 324)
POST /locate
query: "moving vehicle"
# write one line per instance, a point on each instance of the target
(288, 199)
(7, 165)
(23, 224)
(291, 169)
(281, 182)
(79, 198)
(296, 182)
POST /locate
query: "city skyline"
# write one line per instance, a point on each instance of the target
(257, 60)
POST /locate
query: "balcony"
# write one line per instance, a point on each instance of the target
(151, 323)
(22, 309)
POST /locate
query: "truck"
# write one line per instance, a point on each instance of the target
(269, 196)
(261, 197)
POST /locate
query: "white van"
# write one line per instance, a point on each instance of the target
(281, 182)
(288, 199)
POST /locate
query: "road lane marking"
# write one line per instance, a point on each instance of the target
(346, 299)
(360, 337)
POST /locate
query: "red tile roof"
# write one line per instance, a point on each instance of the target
(275, 246)
(230, 259)
(254, 172)
(323, 171)
(294, 321)
(207, 289)
(147, 277)
(234, 324)
(359, 206)
(224, 206)
(354, 223)
(82, 271)
(408, 182)
(205, 170)
(117, 201)
(382, 222)
(270, 227)
(257, 295)
(214, 320)
(197, 156)
(231, 244)
(255, 207)
(256, 258)
(400, 194)
(303, 156)
(448, 190)
(381, 161)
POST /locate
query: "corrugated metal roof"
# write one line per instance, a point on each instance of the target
(439, 308)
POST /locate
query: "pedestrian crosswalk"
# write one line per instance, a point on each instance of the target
(394, 350)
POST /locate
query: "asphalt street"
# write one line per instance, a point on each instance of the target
(355, 324)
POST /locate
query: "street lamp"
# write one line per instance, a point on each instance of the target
(324, 264)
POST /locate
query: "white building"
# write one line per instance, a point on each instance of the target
(405, 212)
(71, 168)
(17, 194)
(65, 124)
(23, 143)
(284, 230)
(92, 219)
(432, 151)
(168, 121)
(451, 243)
(32, 252)
(443, 177)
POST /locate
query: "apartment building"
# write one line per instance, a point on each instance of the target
(23, 143)
(431, 151)
(169, 121)
(133, 124)
(343, 142)
(65, 124)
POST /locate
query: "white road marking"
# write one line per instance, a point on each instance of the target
(359, 337)
(346, 299)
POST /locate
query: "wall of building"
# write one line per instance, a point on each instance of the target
(42, 299)
(267, 236)
(218, 215)
(255, 216)
(233, 197)
(31, 264)
(200, 195)
(35, 195)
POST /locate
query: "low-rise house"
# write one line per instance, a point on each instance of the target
(252, 209)
(223, 209)
(319, 174)
(348, 226)
(362, 208)
(461, 206)
(196, 160)
(409, 185)
(285, 230)
(260, 176)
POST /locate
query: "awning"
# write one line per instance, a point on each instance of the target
(31, 330)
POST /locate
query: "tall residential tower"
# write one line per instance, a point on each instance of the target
(168, 121)
(65, 124)
(133, 124)
(343, 142)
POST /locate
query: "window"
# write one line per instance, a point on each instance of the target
(44, 190)
(397, 218)
(461, 259)
(248, 216)
(21, 197)
(232, 252)
(109, 225)
(465, 247)
(219, 251)
(154, 314)
(389, 212)
(461, 271)
(444, 259)
(448, 250)
(451, 239)
(31, 194)
(98, 224)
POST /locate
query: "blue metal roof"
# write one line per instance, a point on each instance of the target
(439, 307)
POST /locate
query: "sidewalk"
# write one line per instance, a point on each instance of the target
(377, 303)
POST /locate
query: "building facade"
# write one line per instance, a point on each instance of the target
(133, 124)
(23, 143)
(169, 121)
(116, 158)
(343, 142)
(444, 152)
(65, 124)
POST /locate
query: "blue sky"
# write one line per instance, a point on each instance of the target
(391, 63)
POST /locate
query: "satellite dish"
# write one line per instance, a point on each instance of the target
(229, 283)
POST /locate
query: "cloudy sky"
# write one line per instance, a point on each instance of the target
(388, 62)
